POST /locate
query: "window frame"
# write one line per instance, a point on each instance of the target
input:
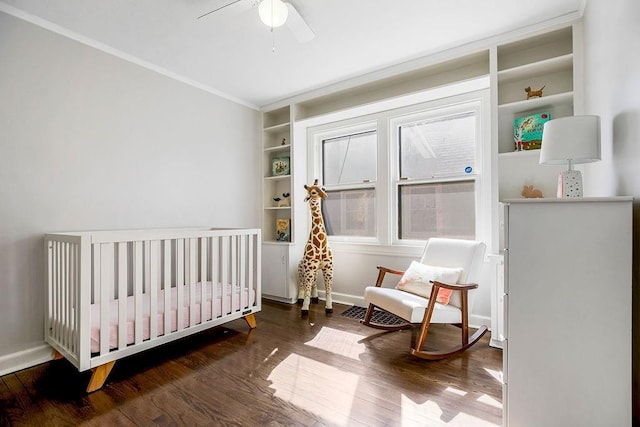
(445, 107)
(380, 114)
(352, 127)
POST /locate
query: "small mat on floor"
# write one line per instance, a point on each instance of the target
(379, 316)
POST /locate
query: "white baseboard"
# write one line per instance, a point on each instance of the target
(25, 359)
(496, 343)
(476, 320)
(344, 298)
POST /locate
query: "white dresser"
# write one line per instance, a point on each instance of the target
(567, 312)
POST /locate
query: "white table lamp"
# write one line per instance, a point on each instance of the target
(570, 140)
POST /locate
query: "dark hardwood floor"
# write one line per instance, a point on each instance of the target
(324, 370)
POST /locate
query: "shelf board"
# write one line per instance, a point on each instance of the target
(520, 154)
(275, 208)
(285, 147)
(277, 127)
(276, 178)
(276, 242)
(563, 62)
(536, 103)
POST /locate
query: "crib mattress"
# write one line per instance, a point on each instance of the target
(249, 294)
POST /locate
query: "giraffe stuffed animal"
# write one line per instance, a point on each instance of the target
(317, 254)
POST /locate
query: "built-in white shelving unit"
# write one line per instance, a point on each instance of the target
(276, 143)
(544, 60)
(276, 253)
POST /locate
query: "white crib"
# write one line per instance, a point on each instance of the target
(110, 294)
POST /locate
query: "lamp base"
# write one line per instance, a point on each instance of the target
(569, 184)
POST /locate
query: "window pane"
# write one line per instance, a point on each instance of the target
(444, 209)
(349, 159)
(438, 147)
(350, 213)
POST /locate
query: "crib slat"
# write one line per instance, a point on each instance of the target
(215, 242)
(68, 296)
(203, 279)
(147, 279)
(60, 269)
(154, 285)
(64, 338)
(96, 274)
(74, 298)
(106, 289)
(234, 273)
(225, 274)
(180, 284)
(243, 272)
(122, 294)
(56, 289)
(166, 265)
(192, 281)
(60, 326)
(138, 285)
(250, 267)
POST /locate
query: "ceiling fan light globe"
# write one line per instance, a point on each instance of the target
(273, 13)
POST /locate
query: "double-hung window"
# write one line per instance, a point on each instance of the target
(435, 181)
(349, 171)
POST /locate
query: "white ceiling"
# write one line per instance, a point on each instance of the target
(232, 55)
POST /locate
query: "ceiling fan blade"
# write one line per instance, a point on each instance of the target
(233, 8)
(302, 32)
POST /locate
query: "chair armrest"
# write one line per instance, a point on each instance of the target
(384, 270)
(388, 270)
(455, 287)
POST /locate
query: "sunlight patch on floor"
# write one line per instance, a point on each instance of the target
(467, 420)
(430, 413)
(314, 387)
(413, 413)
(495, 374)
(456, 391)
(338, 342)
(488, 400)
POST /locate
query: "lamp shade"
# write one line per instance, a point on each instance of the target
(571, 140)
(273, 13)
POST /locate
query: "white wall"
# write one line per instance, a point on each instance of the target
(89, 141)
(612, 90)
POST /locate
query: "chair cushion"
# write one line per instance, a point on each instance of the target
(465, 254)
(409, 306)
(417, 280)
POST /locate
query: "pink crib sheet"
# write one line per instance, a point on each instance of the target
(130, 328)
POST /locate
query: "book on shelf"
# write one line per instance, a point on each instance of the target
(282, 229)
(527, 131)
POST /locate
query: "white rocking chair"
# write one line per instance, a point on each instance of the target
(440, 255)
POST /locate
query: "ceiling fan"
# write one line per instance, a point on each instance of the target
(273, 13)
